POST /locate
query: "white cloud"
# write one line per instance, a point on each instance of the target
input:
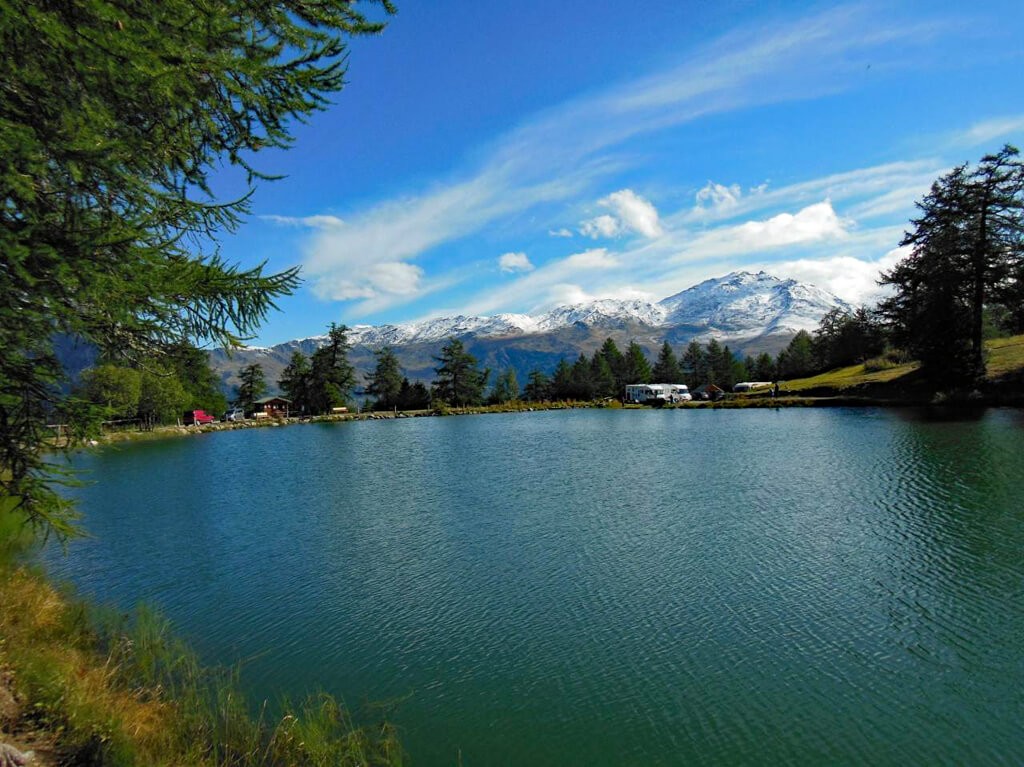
(811, 239)
(601, 226)
(563, 232)
(854, 280)
(515, 262)
(309, 222)
(863, 187)
(635, 213)
(681, 258)
(566, 294)
(563, 294)
(815, 222)
(718, 196)
(810, 225)
(653, 269)
(597, 258)
(630, 213)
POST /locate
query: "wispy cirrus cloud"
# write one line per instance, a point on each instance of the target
(890, 188)
(987, 131)
(549, 284)
(560, 154)
(306, 222)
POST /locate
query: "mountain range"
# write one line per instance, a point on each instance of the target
(752, 313)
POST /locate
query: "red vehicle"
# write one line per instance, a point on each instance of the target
(197, 417)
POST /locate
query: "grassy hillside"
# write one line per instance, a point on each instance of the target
(1005, 364)
(1006, 358)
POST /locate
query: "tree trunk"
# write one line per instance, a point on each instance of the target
(978, 299)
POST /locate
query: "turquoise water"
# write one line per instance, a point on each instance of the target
(599, 587)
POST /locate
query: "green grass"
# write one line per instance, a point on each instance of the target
(105, 689)
(843, 379)
(1005, 360)
(1005, 357)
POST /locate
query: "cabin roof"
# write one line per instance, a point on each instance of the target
(707, 388)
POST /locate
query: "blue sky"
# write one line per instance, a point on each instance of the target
(508, 157)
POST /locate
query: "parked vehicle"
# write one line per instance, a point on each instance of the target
(197, 417)
(234, 414)
(656, 394)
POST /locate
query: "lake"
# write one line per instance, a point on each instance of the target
(599, 587)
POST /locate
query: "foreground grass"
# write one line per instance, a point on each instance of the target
(88, 687)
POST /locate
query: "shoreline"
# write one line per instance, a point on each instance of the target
(1014, 400)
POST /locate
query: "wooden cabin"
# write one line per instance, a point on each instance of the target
(271, 407)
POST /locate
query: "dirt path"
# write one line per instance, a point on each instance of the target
(17, 738)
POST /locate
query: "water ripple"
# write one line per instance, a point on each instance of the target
(601, 587)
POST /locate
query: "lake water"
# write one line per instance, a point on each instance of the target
(599, 587)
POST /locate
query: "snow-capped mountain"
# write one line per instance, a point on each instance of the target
(605, 312)
(742, 302)
(750, 312)
(442, 327)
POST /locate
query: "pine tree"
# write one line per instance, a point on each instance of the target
(617, 365)
(714, 356)
(459, 381)
(582, 387)
(967, 251)
(506, 387)
(601, 377)
(638, 369)
(695, 365)
(561, 381)
(730, 369)
(252, 385)
(113, 116)
(797, 359)
(191, 366)
(295, 382)
(386, 380)
(738, 371)
(764, 367)
(331, 377)
(844, 338)
(666, 369)
(413, 396)
(538, 387)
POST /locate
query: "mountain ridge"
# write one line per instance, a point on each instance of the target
(750, 312)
